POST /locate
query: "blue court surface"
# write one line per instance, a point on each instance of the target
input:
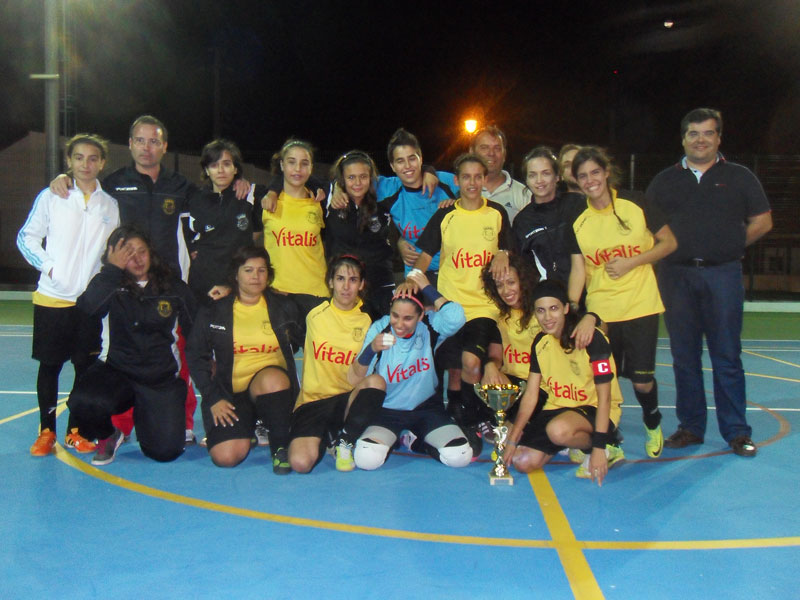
(696, 523)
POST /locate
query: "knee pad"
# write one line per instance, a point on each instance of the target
(369, 455)
(456, 456)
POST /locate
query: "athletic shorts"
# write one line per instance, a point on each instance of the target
(426, 417)
(633, 344)
(535, 433)
(62, 334)
(475, 337)
(321, 418)
(244, 428)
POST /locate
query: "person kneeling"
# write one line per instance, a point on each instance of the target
(583, 403)
(143, 303)
(250, 334)
(399, 349)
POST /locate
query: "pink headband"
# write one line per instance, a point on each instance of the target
(409, 297)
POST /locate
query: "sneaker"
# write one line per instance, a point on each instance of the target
(107, 449)
(742, 446)
(654, 442)
(203, 443)
(576, 455)
(486, 431)
(261, 434)
(78, 442)
(190, 439)
(614, 454)
(407, 440)
(344, 456)
(280, 462)
(44, 444)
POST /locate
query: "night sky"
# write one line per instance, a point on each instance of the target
(347, 74)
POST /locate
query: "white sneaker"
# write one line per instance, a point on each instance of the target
(190, 439)
(407, 439)
(261, 434)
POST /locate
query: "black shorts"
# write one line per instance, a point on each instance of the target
(475, 337)
(321, 418)
(535, 433)
(62, 334)
(426, 417)
(244, 428)
(633, 344)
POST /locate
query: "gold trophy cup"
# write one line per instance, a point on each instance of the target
(500, 398)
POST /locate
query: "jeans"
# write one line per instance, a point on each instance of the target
(706, 301)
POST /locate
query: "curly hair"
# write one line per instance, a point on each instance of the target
(527, 282)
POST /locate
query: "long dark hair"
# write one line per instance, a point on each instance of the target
(599, 156)
(550, 288)
(241, 256)
(369, 205)
(527, 283)
(159, 276)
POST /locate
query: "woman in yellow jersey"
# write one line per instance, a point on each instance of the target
(251, 335)
(329, 411)
(293, 232)
(613, 251)
(583, 397)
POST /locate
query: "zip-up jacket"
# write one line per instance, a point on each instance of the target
(76, 234)
(139, 325)
(222, 224)
(212, 337)
(156, 208)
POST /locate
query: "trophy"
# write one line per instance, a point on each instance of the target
(500, 398)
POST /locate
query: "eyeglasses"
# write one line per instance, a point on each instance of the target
(141, 142)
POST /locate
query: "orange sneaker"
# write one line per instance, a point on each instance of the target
(44, 443)
(78, 442)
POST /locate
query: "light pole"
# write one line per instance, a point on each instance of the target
(50, 77)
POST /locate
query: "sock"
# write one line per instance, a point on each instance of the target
(362, 413)
(47, 394)
(649, 403)
(474, 409)
(275, 411)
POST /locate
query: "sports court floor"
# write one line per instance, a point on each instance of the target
(696, 523)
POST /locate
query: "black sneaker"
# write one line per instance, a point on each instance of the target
(280, 462)
(107, 449)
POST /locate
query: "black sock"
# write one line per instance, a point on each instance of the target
(475, 411)
(47, 394)
(275, 412)
(649, 403)
(362, 413)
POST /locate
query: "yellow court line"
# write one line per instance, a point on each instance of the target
(579, 574)
(62, 405)
(569, 549)
(782, 542)
(65, 457)
(777, 360)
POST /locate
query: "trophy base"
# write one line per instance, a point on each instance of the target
(501, 479)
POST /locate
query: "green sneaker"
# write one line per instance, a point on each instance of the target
(614, 454)
(576, 455)
(344, 456)
(654, 442)
(280, 462)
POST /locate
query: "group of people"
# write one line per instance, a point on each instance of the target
(550, 282)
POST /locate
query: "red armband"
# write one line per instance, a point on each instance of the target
(601, 367)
